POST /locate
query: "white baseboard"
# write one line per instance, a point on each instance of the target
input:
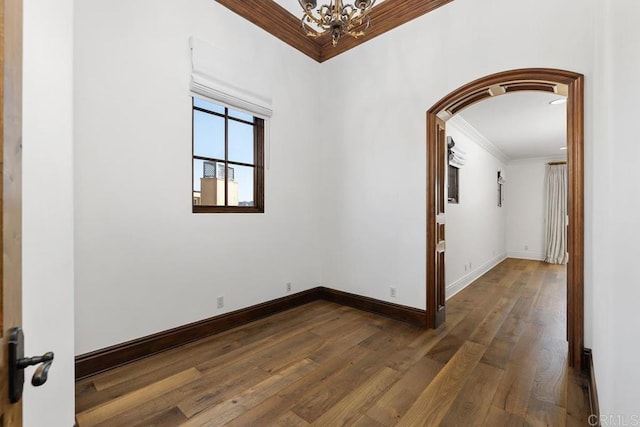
(467, 279)
(534, 256)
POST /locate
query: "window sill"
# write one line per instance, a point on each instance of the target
(227, 209)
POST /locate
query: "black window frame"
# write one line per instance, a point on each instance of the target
(257, 165)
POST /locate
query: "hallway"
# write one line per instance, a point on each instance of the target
(499, 360)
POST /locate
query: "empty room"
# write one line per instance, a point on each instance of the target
(297, 212)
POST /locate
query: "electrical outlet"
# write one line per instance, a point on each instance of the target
(392, 292)
(288, 286)
(526, 247)
(465, 266)
(220, 302)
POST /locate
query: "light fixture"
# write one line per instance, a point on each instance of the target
(563, 148)
(337, 17)
(558, 101)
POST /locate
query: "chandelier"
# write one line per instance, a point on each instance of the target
(336, 17)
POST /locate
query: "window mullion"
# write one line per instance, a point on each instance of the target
(226, 157)
(255, 154)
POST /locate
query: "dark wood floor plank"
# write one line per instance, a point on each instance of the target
(434, 402)
(236, 405)
(398, 399)
(545, 414)
(328, 372)
(489, 327)
(332, 389)
(172, 417)
(550, 383)
(289, 420)
(103, 412)
(485, 306)
(528, 285)
(451, 343)
(352, 406)
(208, 390)
(474, 400)
(344, 321)
(499, 360)
(514, 390)
(340, 344)
(250, 363)
(365, 421)
(498, 417)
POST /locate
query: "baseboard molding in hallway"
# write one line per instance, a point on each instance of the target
(472, 276)
(594, 405)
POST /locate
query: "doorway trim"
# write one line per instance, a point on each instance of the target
(565, 83)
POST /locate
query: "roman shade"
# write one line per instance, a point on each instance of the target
(457, 156)
(207, 81)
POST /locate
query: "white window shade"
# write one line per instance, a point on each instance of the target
(457, 156)
(206, 82)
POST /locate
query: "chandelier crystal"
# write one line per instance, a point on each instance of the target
(337, 17)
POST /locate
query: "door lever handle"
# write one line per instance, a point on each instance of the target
(41, 374)
(17, 364)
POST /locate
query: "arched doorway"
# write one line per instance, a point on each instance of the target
(562, 82)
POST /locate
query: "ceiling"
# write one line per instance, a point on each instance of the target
(281, 18)
(522, 125)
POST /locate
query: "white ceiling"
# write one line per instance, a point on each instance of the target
(521, 124)
(294, 7)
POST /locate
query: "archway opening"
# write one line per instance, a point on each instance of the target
(567, 83)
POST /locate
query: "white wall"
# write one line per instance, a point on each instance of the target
(47, 219)
(476, 225)
(375, 228)
(614, 247)
(144, 262)
(525, 203)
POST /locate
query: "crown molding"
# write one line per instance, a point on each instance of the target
(279, 22)
(537, 160)
(472, 133)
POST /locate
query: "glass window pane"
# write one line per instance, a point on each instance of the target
(208, 183)
(240, 142)
(242, 116)
(208, 135)
(241, 186)
(208, 106)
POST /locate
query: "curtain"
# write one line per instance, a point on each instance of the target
(556, 207)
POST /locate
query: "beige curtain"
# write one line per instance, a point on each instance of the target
(556, 220)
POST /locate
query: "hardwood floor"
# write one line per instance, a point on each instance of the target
(499, 360)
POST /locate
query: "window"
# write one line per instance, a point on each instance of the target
(453, 184)
(228, 160)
